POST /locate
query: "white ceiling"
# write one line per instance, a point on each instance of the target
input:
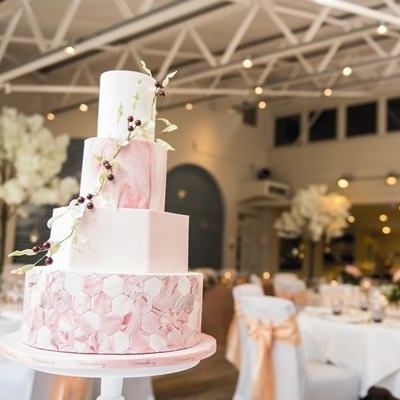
(298, 48)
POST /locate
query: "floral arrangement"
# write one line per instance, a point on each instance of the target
(314, 214)
(351, 274)
(30, 158)
(135, 129)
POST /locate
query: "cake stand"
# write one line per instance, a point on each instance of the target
(110, 368)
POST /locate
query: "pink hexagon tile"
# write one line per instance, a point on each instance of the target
(86, 312)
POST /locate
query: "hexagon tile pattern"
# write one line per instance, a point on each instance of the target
(105, 313)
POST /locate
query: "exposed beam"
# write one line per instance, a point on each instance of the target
(5, 40)
(329, 56)
(12, 88)
(375, 46)
(124, 9)
(316, 25)
(34, 25)
(278, 21)
(171, 54)
(239, 34)
(278, 54)
(362, 11)
(392, 66)
(393, 6)
(295, 12)
(65, 23)
(266, 72)
(145, 6)
(205, 51)
(156, 20)
(187, 55)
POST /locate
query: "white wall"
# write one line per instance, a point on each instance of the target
(208, 136)
(368, 158)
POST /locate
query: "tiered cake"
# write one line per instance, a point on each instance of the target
(116, 279)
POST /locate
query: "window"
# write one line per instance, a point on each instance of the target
(287, 130)
(393, 115)
(291, 254)
(322, 125)
(361, 119)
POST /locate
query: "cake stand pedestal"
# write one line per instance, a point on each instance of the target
(110, 368)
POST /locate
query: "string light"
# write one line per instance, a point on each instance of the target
(262, 105)
(383, 218)
(50, 116)
(386, 230)
(83, 107)
(70, 50)
(343, 182)
(391, 179)
(351, 219)
(189, 106)
(247, 63)
(258, 90)
(327, 92)
(347, 71)
(382, 29)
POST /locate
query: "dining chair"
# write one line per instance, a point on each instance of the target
(268, 329)
(256, 280)
(349, 293)
(294, 290)
(233, 346)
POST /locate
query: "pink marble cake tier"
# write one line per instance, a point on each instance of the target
(140, 173)
(110, 313)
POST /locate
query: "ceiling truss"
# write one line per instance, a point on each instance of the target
(295, 63)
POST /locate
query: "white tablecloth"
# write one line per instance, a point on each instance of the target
(370, 350)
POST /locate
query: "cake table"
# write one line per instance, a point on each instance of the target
(111, 368)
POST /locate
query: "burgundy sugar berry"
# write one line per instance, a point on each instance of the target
(90, 205)
(138, 122)
(161, 93)
(110, 177)
(130, 128)
(89, 196)
(36, 249)
(46, 245)
(48, 261)
(130, 118)
(80, 199)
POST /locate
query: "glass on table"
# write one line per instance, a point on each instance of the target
(378, 312)
(364, 303)
(337, 305)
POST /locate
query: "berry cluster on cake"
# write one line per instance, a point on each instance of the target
(115, 279)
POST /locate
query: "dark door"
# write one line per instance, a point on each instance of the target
(192, 191)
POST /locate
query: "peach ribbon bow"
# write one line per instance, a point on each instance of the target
(69, 388)
(298, 298)
(264, 333)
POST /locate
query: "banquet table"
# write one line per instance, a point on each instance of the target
(372, 350)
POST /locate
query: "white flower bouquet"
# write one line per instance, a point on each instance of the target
(30, 158)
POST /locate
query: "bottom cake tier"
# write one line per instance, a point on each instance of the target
(111, 313)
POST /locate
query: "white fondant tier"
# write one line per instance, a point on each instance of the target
(118, 91)
(108, 313)
(122, 239)
(139, 173)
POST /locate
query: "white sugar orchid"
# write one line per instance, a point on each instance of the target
(314, 214)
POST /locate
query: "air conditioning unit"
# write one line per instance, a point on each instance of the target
(266, 190)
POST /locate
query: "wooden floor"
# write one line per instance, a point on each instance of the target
(212, 379)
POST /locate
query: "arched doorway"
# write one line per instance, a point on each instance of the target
(191, 190)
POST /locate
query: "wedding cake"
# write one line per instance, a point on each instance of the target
(115, 274)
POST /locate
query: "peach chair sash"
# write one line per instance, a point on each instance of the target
(264, 333)
(69, 388)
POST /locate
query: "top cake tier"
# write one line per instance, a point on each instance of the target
(124, 93)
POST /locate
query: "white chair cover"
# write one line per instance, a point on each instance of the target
(285, 276)
(294, 379)
(247, 289)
